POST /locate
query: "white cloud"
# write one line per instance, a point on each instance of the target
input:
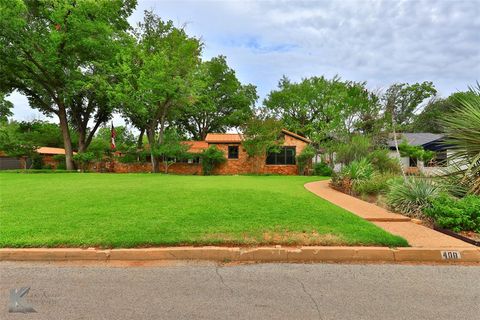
(380, 42)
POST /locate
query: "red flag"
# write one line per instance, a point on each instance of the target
(112, 136)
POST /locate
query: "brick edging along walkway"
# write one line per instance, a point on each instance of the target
(418, 236)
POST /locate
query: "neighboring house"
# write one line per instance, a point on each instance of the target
(47, 154)
(238, 161)
(428, 141)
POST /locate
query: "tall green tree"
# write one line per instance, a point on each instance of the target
(47, 48)
(220, 101)
(157, 78)
(402, 101)
(92, 103)
(5, 108)
(316, 107)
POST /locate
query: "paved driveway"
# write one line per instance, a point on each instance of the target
(261, 291)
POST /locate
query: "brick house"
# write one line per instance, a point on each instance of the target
(238, 161)
(48, 154)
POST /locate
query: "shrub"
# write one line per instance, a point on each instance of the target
(351, 174)
(377, 184)
(37, 162)
(211, 157)
(84, 158)
(457, 215)
(358, 170)
(304, 158)
(357, 149)
(412, 196)
(60, 159)
(416, 152)
(322, 169)
(382, 162)
(129, 157)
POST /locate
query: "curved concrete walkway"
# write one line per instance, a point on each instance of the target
(417, 235)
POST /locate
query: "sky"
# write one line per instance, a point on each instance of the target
(380, 42)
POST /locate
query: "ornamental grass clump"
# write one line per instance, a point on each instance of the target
(351, 175)
(412, 196)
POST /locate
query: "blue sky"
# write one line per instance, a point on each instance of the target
(381, 42)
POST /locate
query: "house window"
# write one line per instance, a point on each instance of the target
(232, 152)
(286, 155)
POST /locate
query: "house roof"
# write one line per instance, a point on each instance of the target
(49, 150)
(196, 146)
(416, 139)
(223, 138)
(299, 137)
(237, 138)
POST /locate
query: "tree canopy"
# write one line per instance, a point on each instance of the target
(220, 101)
(49, 48)
(158, 76)
(317, 107)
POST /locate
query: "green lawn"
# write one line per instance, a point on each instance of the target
(129, 210)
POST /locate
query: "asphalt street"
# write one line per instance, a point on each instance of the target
(254, 291)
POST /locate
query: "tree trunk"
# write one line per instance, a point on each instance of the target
(67, 141)
(151, 141)
(162, 129)
(140, 139)
(81, 140)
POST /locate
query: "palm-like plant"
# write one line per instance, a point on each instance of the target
(463, 139)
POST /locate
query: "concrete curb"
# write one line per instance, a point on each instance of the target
(259, 254)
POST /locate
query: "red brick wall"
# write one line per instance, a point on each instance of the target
(49, 161)
(118, 167)
(244, 164)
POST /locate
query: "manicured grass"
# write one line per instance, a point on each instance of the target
(129, 210)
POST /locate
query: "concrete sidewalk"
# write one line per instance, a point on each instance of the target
(417, 236)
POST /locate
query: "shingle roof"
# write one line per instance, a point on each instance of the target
(196, 146)
(237, 138)
(416, 139)
(223, 138)
(49, 150)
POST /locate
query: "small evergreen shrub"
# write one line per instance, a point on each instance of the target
(304, 158)
(37, 162)
(84, 158)
(456, 214)
(60, 159)
(129, 157)
(382, 162)
(322, 169)
(377, 184)
(211, 157)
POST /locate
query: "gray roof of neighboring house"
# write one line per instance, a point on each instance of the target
(416, 139)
